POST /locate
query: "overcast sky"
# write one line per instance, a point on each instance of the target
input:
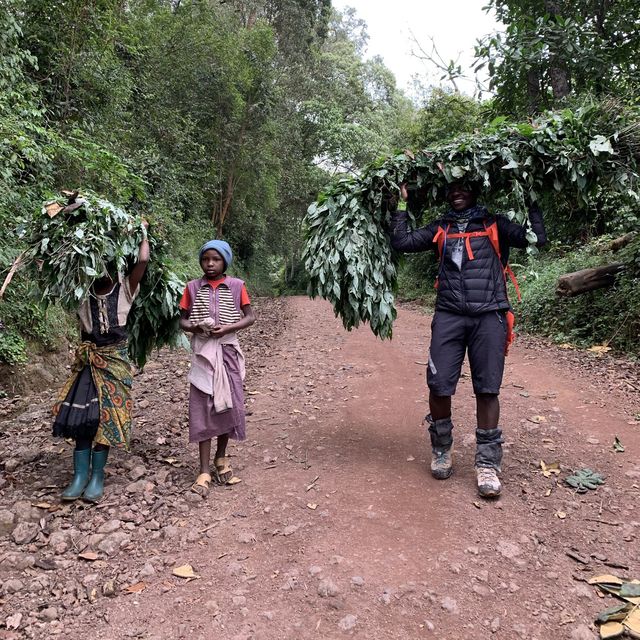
(454, 24)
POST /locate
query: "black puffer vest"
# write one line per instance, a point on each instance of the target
(478, 285)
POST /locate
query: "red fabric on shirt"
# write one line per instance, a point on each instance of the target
(185, 301)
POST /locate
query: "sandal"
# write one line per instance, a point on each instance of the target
(223, 472)
(201, 485)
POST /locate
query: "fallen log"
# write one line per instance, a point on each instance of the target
(573, 284)
(623, 241)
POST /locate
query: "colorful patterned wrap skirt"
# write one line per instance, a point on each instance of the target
(95, 403)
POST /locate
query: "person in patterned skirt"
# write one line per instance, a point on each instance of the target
(94, 406)
(214, 308)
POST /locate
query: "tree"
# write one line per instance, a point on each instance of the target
(551, 49)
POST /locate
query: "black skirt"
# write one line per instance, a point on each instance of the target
(79, 414)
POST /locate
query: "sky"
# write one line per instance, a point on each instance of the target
(455, 26)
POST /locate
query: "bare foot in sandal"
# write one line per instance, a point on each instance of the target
(223, 470)
(201, 485)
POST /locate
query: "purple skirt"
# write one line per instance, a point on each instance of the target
(204, 422)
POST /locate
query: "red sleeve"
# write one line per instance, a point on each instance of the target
(244, 297)
(185, 301)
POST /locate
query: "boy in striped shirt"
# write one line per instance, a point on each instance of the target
(213, 309)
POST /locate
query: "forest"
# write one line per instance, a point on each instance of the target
(226, 118)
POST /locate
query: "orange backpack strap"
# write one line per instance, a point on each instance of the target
(492, 232)
(440, 239)
(512, 276)
(511, 321)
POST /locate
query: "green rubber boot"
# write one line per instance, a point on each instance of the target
(81, 462)
(95, 488)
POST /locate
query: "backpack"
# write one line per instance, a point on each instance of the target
(490, 231)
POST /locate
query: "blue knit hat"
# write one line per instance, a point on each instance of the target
(221, 247)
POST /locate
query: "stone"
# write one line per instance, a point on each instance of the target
(13, 622)
(11, 464)
(12, 586)
(95, 539)
(147, 570)
(246, 537)
(7, 522)
(109, 588)
(170, 532)
(315, 570)
(25, 532)
(239, 601)
(24, 512)
(509, 550)
(139, 471)
(59, 541)
(49, 614)
(90, 579)
(110, 526)
(482, 590)
(143, 486)
(114, 542)
(449, 605)
(18, 561)
(582, 632)
(583, 590)
(348, 622)
(357, 581)
(327, 588)
(495, 625)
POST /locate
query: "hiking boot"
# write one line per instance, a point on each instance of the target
(440, 434)
(488, 483)
(441, 463)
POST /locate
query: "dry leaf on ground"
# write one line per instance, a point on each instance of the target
(549, 469)
(135, 588)
(185, 571)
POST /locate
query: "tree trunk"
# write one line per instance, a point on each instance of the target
(533, 91)
(558, 71)
(220, 213)
(573, 284)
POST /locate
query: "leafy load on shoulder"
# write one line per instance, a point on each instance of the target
(76, 239)
(347, 252)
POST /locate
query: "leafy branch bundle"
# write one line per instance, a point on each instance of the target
(347, 253)
(77, 239)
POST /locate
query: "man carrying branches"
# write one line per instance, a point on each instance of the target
(472, 314)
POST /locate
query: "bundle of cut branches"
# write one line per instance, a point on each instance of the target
(79, 238)
(347, 253)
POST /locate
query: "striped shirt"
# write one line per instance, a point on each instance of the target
(227, 311)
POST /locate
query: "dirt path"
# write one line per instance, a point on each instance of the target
(337, 528)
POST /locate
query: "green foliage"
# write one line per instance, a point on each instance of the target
(605, 316)
(77, 240)
(347, 254)
(446, 115)
(348, 257)
(13, 349)
(154, 318)
(550, 49)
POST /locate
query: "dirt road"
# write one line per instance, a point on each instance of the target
(337, 528)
